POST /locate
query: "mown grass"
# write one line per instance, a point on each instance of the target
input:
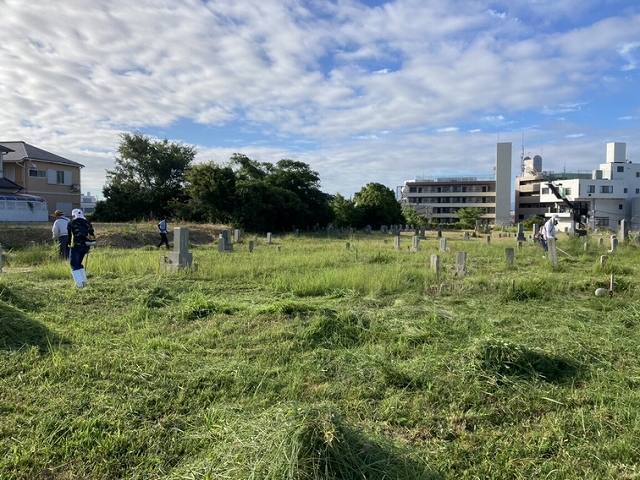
(314, 361)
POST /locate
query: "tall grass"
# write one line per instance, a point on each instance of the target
(314, 361)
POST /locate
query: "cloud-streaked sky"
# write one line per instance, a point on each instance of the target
(362, 91)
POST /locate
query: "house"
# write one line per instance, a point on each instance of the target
(43, 174)
(609, 195)
(16, 206)
(439, 198)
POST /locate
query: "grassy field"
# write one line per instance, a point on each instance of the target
(318, 361)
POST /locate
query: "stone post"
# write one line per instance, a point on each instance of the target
(443, 244)
(461, 264)
(416, 244)
(435, 265)
(553, 253)
(510, 255)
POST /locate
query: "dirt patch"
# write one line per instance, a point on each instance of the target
(116, 235)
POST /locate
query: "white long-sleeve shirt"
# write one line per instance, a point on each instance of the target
(549, 229)
(59, 227)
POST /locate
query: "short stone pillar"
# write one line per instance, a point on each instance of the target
(367, 230)
(614, 244)
(237, 236)
(32, 244)
(228, 244)
(269, 238)
(396, 242)
(624, 230)
(180, 257)
(553, 253)
(435, 265)
(510, 256)
(443, 244)
(439, 232)
(534, 236)
(423, 235)
(461, 264)
(251, 246)
(465, 236)
(222, 243)
(520, 236)
(415, 247)
(601, 242)
(603, 260)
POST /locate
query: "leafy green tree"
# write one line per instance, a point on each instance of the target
(468, 216)
(148, 177)
(211, 189)
(412, 217)
(376, 205)
(344, 211)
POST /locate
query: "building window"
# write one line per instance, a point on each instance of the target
(591, 189)
(638, 190)
(566, 191)
(544, 190)
(412, 189)
(625, 190)
(620, 207)
(637, 174)
(606, 188)
(602, 221)
(60, 177)
(38, 173)
(620, 169)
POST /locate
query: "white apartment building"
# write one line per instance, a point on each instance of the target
(611, 194)
(439, 198)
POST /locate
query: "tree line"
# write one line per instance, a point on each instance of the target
(157, 178)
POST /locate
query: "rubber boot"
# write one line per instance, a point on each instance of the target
(84, 275)
(77, 277)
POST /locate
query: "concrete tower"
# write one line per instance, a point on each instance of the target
(503, 183)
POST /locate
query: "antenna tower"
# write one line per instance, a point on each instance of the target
(522, 157)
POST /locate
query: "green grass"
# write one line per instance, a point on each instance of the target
(314, 361)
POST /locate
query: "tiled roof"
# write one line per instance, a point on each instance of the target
(24, 151)
(7, 185)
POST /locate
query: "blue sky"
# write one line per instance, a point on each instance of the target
(363, 91)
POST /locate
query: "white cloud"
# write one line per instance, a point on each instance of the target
(77, 74)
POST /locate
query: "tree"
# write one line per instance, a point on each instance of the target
(468, 216)
(344, 211)
(376, 205)
(211, 189)
(412, 217)
(149, 176)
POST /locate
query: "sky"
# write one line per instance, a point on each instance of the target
(361, 90)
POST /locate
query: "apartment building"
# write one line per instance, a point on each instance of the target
(440, 197)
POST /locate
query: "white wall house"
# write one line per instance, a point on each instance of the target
(611, 194)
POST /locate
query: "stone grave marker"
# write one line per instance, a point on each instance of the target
(510, 256)
(461, 264)
(180, 257)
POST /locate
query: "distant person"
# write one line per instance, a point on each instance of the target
(60, 234)
(81, 237)
(162, 228)
(549, 231)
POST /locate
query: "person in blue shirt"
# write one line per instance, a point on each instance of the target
(162, 227)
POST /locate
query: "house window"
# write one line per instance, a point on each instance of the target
(620, 169)
(544, 190)
(60, 177)
(37, 173)
(591, 189)
(606, 188)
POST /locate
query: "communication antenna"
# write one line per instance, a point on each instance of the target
(522, 157)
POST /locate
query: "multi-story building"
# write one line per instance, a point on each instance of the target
(529, 183)
(440, 198)
(88, 203)
(609, 195)
(43, 174)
